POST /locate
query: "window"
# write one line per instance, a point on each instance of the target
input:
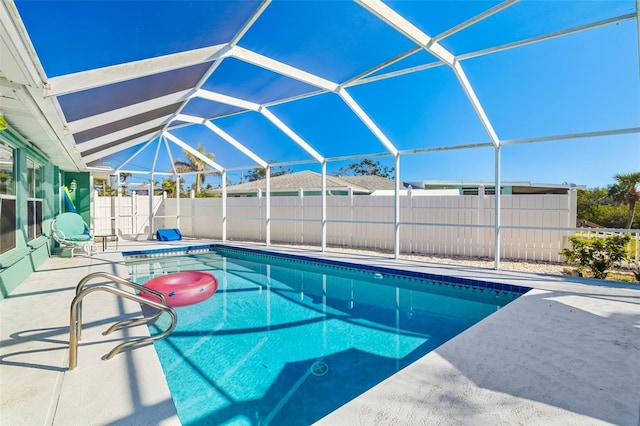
(34, 200)
(7, 199)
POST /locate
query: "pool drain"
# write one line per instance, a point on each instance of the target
(319, 368)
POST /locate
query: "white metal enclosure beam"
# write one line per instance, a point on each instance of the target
(121, 134)
(155, 157)
(85, 80)
(406, 28)
(474, 20)
(367, 121)
(282, 68)
(475, 103)
(225, 99)
(263, 6)
(544, 37)
(173, 163)
(195, 152)
(226, 51)
(188, 118)
(120, 147)
(293, 135)
(252, 106)
(400, 24)
(396, 209)
(234, 142)
(125, 112)
(363, 79)
(135, 154)
(498, 198)
(638, 27)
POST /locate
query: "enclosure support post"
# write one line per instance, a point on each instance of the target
(396, 209)
(301, 199)
(323, 187)
(93, 196)
(194, 215)
(118, 201)
(638, 25)
(224, 205)
(496, 239)
(151, 215)
(178, 201)
(268, 205)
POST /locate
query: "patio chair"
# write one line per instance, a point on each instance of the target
(70, 230)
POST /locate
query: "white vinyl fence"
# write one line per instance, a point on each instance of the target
(533, 227)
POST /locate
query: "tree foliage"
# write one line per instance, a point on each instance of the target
(260, 173)
(168, 185)
(625, 191)
(194, 164)
(597, 254)
(365, 168)
(612, 207)
(594, 206)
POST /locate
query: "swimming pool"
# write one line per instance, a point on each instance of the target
(287, 340)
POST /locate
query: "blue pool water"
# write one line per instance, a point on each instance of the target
(287, 341)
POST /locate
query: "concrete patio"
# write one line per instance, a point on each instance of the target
(567, 352)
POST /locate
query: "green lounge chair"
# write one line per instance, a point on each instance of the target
(70, 230)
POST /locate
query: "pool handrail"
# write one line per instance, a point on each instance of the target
(76, 315)
(116, 279)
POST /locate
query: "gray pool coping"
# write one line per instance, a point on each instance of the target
(566, 352)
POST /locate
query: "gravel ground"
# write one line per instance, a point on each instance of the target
(536, 267)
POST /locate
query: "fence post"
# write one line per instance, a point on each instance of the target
(224, 204)
(478, 231)
(301, 198)
(572, 202)
(259, 198)
(410, 205)
(119, 202)
(323, 212)
(268, 205)
(94, 215)
(134, 212)
(352, 226)
(151, 215)
(178, 202)
(193, 213)
(396, 210)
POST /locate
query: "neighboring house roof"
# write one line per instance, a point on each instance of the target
(312, 181)
(372, 182)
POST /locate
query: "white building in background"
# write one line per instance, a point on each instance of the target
(507, 188)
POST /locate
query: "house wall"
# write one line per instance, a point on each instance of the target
(81, 194)
(28, 254)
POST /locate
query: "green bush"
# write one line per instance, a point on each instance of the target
(597, 254)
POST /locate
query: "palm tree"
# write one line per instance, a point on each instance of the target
(169, 186)
(194, 164)
(123, 177)
(625, 190)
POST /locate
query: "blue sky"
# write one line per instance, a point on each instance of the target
(584, 82)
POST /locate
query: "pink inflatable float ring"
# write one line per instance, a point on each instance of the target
(182, 288)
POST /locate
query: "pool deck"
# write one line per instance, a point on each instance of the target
(567, 352)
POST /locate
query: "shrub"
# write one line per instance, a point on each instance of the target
(635, 269)
(598, 254)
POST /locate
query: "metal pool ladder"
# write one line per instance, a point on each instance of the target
(75, 327)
